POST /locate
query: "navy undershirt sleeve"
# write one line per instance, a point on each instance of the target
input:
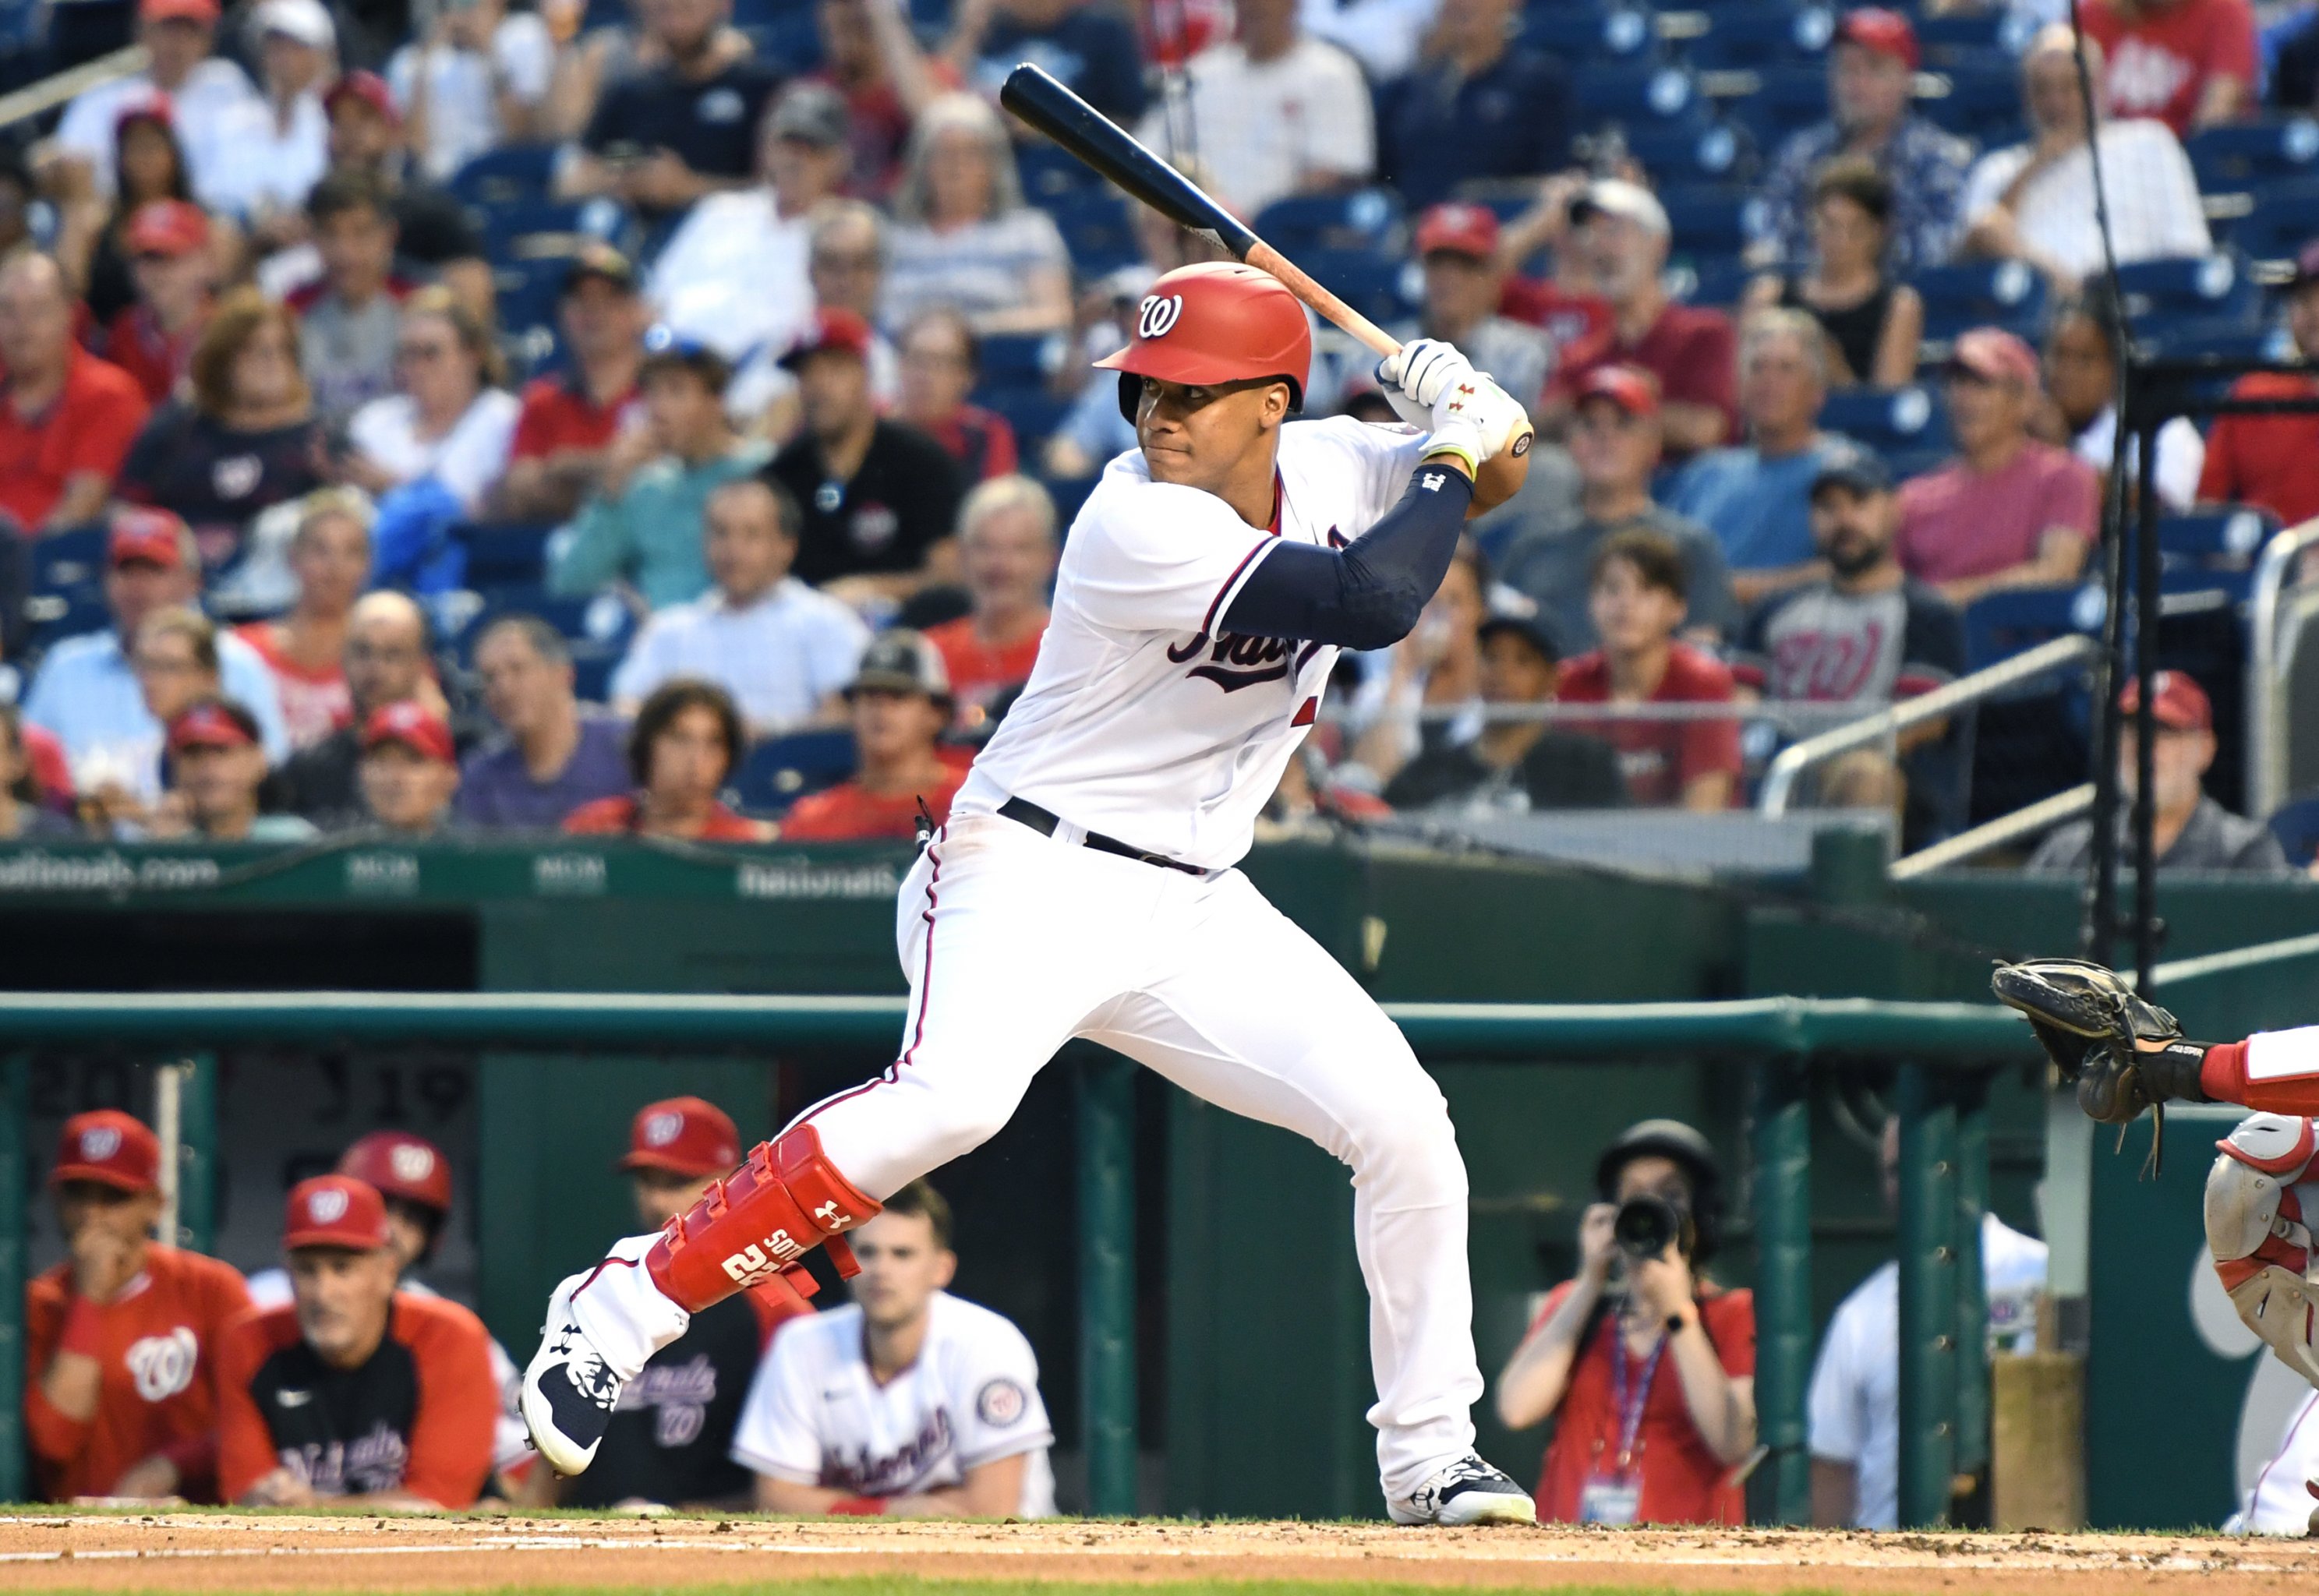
(1370, 592)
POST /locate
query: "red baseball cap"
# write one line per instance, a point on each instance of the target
(1218, 321)
(414, 726)
(155, 537)
(400, 1165)
(688, 1136)
(335, 1211)
(1461, 229)
(368, 88)
(1632, 389)
(110, 1147)
(210, 725)
(1887, 33)
(186, 11)
(1995, 356)
(2181, 704)
(834, 328)
(167, 227)
(151, 107)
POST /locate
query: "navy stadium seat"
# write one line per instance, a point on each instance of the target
(2227, 535)
(1095, 225)
(778, 771)
(1896, 422)
(1590, 33)
(1047, 170)
(2296, 824)
(2235, 157)
(2284, 217)
(2005, 623)
(1633, 95)
(1972, 36)
(1707, 222)
(504, 554)
(1981, 102)
(505, 176)
(532, 229)
(1711, 152)
(1364, 219)
(1744, 33)
(1032, 410)
(1709, 281)
(2007, 293)
(2211, 287)
(1779, 101)
(1021, 359)
(1377, 284)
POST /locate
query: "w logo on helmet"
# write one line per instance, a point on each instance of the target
(1159, 316)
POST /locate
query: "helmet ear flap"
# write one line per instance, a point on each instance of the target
(1130, 390)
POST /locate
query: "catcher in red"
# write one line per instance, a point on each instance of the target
(2125, 1054)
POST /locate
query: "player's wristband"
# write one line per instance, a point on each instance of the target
(82, 1333)
(857, 1507)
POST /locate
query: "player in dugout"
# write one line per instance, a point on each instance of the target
(355, 1393)
(908, 1404)
(900, 701)
(122, 1338)
(670, 1442)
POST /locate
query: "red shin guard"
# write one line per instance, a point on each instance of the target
(755, 1226)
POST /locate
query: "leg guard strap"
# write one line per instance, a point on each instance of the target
(757, 1224)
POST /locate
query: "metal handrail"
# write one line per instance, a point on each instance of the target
(1788, 769)
(2266, 754)
(54, 90)
(1995, 833)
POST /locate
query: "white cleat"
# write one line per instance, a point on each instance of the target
(568, 1392)
(1466, 1492)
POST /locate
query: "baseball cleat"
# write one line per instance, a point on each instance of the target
(1466, 1492)
(568, 1392)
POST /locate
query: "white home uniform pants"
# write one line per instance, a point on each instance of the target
(1015, 944)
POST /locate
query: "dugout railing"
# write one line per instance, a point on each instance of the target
(1945, 1052)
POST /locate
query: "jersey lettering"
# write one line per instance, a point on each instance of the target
(1236, 661)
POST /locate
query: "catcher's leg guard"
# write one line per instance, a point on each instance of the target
(755, 1225)
(2256, 1232)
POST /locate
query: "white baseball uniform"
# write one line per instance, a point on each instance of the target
(813, 1416)
(1145, 724)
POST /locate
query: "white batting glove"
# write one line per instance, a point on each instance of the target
(1416, 375)
(1477, 420)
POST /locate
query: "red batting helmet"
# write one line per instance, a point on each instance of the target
(1216, 322)
(402, 1166)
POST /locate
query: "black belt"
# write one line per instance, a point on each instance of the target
(1023, 812)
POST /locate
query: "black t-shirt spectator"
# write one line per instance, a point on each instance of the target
(902, 502)
(1093, 52)
(671, 1438)
(711, 124)
(216, 476)
(1436, 131)
(432, 229)
(1561, 771)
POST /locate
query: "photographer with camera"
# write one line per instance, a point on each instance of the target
(1647, 1366)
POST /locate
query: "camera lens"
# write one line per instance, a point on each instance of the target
(1645, 1225)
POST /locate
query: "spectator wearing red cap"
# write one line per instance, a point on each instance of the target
(354, 1392)
(2273, 461)
(898, 703)
(1872, 70)
(432, 231)
(2190, 64)
(782, 649)
(686, 742)
(2190, 831)
(410, 771)
(123, 1338)
(880, 497)
(644, 523)
(569, 418)
(2034, 201)
(734, 275)
(1478, 104)
(963, 234)
(1007, 549)
(1464, 281)
(476, 80)
(216, 769)
(24, 810)
(1615, 432)
(67, 418)
(671, 1442)
(2009, 511)
(87, 691)
(201, 88)
(1280, 112)
(1622, 233)
(169, 253)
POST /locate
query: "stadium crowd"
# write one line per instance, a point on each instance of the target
(664, 421)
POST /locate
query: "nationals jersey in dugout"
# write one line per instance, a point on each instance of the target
(813, 1416)
(1141, 720)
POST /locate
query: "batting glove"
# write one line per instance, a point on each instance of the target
(1477, 420)
(1415, 376)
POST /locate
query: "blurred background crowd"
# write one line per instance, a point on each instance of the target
(664, 416)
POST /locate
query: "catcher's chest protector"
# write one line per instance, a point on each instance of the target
(2257, 1197)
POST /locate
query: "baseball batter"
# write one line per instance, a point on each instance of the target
(1084, 886)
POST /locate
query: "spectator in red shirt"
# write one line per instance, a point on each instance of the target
(2189, 63)
(66, 418)
(569, 418)
(1006, 551)
(1647, 1366)
(169, 255)
(2008, 511)
(686, 741)
(305, 649)
(1622, 231)
(123, 1337)
(1634, 597)
(939, 369)
(2273, 461)
(900, 702)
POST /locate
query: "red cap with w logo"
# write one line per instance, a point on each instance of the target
(1217, 323)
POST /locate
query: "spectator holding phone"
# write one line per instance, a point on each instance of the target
(1646, 1365)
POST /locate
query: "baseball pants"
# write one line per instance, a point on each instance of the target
(1016, 943)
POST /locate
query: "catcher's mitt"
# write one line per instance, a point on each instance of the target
(2089, 1019)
